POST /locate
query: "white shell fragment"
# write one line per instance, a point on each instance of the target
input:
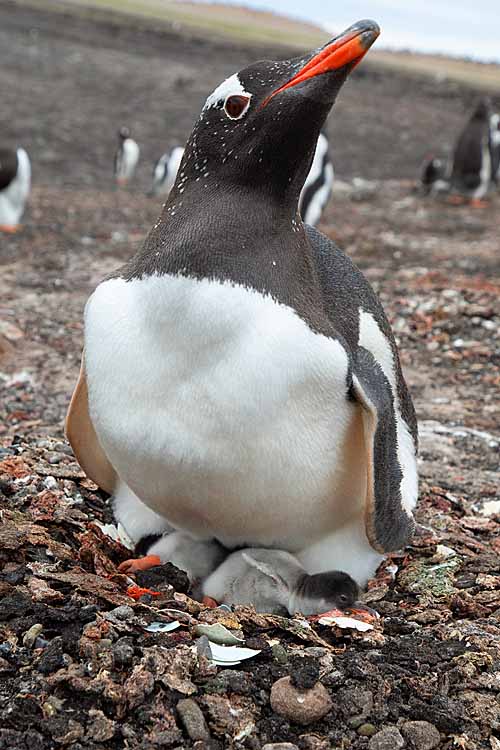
(116, 533)
(162, 627)
(343, 621)
(226, 656)
(218, 633)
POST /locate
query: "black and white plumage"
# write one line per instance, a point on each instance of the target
(495, 148)
(471, 171)
(165, 171)
(274, 581)
(433, 176)
(15, 185)
(318, 186)
(126, 157)
(241, 383)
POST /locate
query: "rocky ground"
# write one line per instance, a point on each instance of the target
(78, 668)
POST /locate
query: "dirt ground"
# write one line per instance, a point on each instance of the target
(77, 668)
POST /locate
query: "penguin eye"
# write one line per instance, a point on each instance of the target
(236, 105)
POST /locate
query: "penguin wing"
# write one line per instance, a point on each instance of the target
(377, 384)
(83, 439)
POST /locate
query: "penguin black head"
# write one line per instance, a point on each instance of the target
(322, 592)
(259, 128)
(482, 111)
(124, 133)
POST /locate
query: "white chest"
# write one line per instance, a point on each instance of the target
(223, 411)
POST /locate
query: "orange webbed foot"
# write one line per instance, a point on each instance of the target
(10, 228)
(478, 203)
(139, 563)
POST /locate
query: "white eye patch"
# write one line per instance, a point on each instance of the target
(232, 86)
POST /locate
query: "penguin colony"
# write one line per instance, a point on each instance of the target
(240, 386)
(473, 169)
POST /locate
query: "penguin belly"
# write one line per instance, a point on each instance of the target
(225, 413)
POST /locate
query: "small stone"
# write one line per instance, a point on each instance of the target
(279, 653)
(313, 742)
(50, 483)
(32, 634)
(193, 720)
(55, 458)
(123, 652)
(389, 738)
(420, 735)
(367, 730)
(52, 658)
(304, 671)
(280, 746)
(300, 706)
(100, 728)
(124, 612)
(229, 681)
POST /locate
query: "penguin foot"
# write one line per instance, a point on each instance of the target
(478, 203)
(10, 228)
(198, 558)
(139, 563)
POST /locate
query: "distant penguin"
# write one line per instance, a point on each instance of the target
(495, 148)
(15, 183)
(165, 171)
(318, 185)
(433, 176)
(126, 157)
(274, 581)
(471, 162)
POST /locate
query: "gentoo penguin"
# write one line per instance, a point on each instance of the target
(471, 161)
(126, 157)
(433, 176)
(274, 581)
(15, 183)
(240, 381)
(165, 171)
(495, 148)
(318, 185)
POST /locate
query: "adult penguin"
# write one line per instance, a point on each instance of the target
(240, 380)
(15, 185)
(471, 161)
(126, 157)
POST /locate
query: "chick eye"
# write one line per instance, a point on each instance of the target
(236, 105)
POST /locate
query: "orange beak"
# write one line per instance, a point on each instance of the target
(347, 49)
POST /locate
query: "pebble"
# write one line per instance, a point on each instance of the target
(367, 730)
(279, 653)
(300, 706)
(123, 612)
(389, 738)
(55, 458)
(50, 483)
(123, 652)
(193, 720)
(52, 658)
(304, 671)
(32, 634)
(421, 735)
(280, 746)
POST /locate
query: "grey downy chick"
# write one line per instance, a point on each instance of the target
(274, 581)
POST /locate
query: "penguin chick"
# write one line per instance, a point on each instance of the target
(274, 581)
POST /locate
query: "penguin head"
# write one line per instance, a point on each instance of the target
(482, 111)
(124, 133)
(322, 592)
(258, 129)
